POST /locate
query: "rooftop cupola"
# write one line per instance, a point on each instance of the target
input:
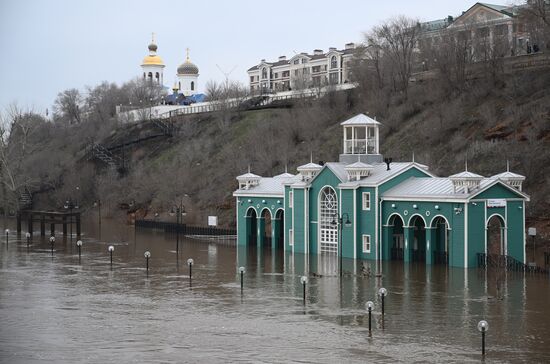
(361, 138)
(465, 181)
(248, 180)
(285, 175)
(510, 178)
(358, 170)
(309, 171)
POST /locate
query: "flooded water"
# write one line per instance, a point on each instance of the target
(53, 309)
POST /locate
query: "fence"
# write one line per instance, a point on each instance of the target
(506, 262)
(172, 228)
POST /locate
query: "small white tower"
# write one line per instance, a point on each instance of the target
(152, 65)
(361, 140)
(188, 76)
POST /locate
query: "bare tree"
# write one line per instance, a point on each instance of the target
(395, 40)
(68, 106)
(536, 17)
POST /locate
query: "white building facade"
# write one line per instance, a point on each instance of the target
(302, 71)
(152, 65)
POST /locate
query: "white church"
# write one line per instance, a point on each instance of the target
(187, 75)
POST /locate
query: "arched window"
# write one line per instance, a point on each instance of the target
(333, 62)
(150, 75)
(192, 86)
(157, 76)
(179, 86)
(144, 75)
(264, 72)
(328, 214)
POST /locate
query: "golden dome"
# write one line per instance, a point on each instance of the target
(153, 61)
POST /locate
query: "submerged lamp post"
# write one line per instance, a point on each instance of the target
(241, 272)
(179, 211)
(111, 249)
(303, 280)
(382, 292)
(79, 245)
(52, 242)
(369, 306)
(28, 236)
(71, 205)
(339, 221)
(190, 263)
(147, 255)
(483, 327)
(7, 238)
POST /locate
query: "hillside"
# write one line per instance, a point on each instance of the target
(487, 124)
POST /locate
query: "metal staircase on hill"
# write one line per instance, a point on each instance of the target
(166, 127)
(25, 198)
(103, 154)
(506, 262)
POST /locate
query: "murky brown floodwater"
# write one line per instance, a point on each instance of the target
(53, 309)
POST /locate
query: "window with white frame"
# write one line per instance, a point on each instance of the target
(328, 210)
(290, 199)
(366, 200)
(291, 237)
(366, 243)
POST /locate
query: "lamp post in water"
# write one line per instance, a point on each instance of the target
(179, 211)
(303, 280)
(147, 255)
(382, 292)
(190, 263)
(28, 236)
(79, 245)
(111, 249)
(339, 222)
(7, 238)
(369, 306)
(483, 327)
(241, 272)
(52, 242)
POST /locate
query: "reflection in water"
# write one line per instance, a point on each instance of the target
(55, 309)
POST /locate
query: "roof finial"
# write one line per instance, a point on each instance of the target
(413, 156)
(187, 50)
(286, 168)
(249, 168)
(153, 37)
(466, 164)
(507, 165)
(310, 157)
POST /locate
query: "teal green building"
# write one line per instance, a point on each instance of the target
(368, 207)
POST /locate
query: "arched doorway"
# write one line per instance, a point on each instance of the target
(496, 241)
(279, 229)
(397, 237)
(440, 240)
(251, 227)
(418, 243)
(328, 213)
(266, 231)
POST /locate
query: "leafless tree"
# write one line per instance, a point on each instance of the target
(395, 40)
(68, 106)
(536, 17)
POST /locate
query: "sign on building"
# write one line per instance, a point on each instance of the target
(497, 202)
(212, 221)
(532, 231)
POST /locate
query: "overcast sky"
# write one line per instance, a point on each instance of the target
(51, 45)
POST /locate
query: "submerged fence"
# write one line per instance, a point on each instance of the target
(206, 232)
(506, 262)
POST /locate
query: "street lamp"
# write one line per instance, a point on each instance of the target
(28, 236)
(483, 327)
(190, 263)
(7, 238)
(382, 292)
(369, 306)
(147, 255)
(79, 245)
(303, 280)
(52, 242)
(338, 221)
(111, 249)
(98, 205)
(241, 271)
(179, 211)
(70, 205)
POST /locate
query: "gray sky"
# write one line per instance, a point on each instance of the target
(52, 45)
